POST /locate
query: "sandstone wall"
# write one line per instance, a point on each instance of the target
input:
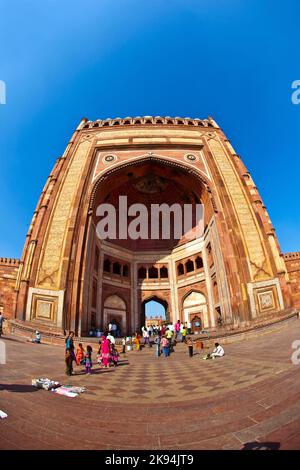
(8, 275)
(292, 261)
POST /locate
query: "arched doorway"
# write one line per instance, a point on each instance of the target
(154, 310)
(194, 305)
(115, 311)
(136, 268)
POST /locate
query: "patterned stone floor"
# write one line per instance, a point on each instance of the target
(249, 398)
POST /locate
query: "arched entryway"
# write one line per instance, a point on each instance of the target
(194, 304)
(139, 269)
(159, 307)
(115, 311)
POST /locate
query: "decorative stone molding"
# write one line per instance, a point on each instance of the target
(45, 306)
(150, 120)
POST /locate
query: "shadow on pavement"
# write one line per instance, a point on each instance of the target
(18, 388)
(8, 338)
(261, 446)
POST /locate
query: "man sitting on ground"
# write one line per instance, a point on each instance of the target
(218, 351)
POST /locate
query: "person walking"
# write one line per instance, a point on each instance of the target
(165, 346)
(69, 362)
(157, 341)
(177, 329)
(2, 319)
(146, 337)
(183, 334)
(111, 338)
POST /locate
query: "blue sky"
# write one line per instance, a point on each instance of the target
(233, 60)
(154, 309)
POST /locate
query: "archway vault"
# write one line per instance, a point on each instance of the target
(186, 168)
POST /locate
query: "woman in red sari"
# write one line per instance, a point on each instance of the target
(105, 351)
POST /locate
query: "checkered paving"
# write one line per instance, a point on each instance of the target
(142, 377)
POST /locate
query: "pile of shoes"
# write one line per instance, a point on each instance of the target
(45, 383)
(207, 356)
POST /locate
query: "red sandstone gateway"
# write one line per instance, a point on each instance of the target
(68, 278)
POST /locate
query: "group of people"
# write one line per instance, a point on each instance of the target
(179, 330)
(112, 328)
(166, 337)
(107, 354)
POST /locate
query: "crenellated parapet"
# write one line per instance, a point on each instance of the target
(292, 256)
(151, 120)
(10, 261)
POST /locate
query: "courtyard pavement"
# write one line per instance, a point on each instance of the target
(249, 399)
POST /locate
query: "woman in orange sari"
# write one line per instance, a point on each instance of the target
(137, 341)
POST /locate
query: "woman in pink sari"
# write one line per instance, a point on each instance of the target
(105, 351)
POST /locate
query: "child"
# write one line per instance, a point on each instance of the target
(88, 360)
(80, 353)
(69, 361)
(114, 355)
(190, 345)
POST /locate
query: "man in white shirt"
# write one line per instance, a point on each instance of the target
(218, 351)
(111, 338)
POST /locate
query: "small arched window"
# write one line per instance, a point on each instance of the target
(106, 265)
(199, 262)
(153, 273)
(189, 266)
(142, 273)
(180, 269)
(125, 270)
(116, 268)
(164, 272)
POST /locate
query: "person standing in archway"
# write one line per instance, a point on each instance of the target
(146, 337)
(177, 329)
